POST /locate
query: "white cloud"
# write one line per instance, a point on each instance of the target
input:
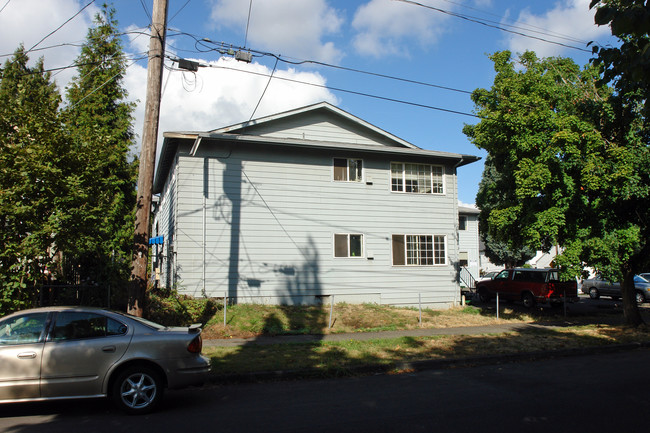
(224, 94)
(387, 27)
(289, 27)
(43, 18)
(570, 21)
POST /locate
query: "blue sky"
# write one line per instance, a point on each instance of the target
(440, 46)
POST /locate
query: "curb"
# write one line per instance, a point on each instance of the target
(417, 366)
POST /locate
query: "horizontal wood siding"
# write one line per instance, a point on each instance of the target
(164, 224)
(270, 220)
(320, 126)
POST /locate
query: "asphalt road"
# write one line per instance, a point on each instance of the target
(594, 393)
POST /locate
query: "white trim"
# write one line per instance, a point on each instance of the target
(363, 170)
(363, 246)
(403, 191)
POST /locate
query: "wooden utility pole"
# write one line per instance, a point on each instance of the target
(138, 286)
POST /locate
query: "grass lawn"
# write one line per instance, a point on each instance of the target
(337, 357)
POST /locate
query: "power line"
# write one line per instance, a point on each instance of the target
(59, 28)
(496, 26)
(3, 7)
(337, 89)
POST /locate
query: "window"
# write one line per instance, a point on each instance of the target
(462, 222)
(72, 325)
(419, 250)
(417, 178)
(348, 170)
(463, 259)
(348, 245)
(22, 329)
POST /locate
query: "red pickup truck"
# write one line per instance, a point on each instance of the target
(530, 286)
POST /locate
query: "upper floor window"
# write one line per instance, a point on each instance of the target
(348, 170)
(348, 245)
(417, 178)
(462, 222)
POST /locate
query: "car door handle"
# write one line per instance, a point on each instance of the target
(108, 349)
(27, 355)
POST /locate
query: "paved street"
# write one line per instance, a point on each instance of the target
(595, 393)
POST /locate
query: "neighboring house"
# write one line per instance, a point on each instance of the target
(468, 244)
(304, 205)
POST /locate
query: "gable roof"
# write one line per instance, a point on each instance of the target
(292, 122)
(316, 126)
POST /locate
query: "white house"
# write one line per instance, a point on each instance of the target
(468, 243)
(305, 205)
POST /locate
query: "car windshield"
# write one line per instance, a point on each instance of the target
(640, 279)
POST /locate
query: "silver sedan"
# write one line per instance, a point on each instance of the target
(68, 352)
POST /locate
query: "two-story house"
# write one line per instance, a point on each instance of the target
(304, 205)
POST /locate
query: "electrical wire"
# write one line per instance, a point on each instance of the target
(59, 28)
(3, 7)
(337, 89)
(496, 26)
(248, 21)
(178, 11)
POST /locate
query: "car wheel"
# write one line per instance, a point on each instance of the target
(528, 299)
(639, 297)
(137, 390)
(593, 293)
(483, 295)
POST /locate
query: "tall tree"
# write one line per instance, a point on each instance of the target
(627, 66)
(99, 121)
(31, 149)
(567, 171)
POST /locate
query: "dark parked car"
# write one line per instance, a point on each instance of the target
(68, 352)
(597, 287)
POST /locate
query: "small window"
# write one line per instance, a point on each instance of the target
(463, 259)
(419, 250)
(348, 245)
(348, 170)
(462, 222)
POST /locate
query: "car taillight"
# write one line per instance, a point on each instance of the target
(196, 345)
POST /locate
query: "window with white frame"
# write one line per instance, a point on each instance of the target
(348, 245)
(417, 178)
(419, 250)
(348, 170)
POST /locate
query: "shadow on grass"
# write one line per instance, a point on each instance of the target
(262, 358)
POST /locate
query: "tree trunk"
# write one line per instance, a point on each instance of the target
(630, 307)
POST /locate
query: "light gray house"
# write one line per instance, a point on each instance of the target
(468, 243)
(304, 205)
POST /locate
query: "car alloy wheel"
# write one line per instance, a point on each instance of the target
(639, 297)
(137, 390)
(593, 293)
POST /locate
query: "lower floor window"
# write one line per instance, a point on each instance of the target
(348, 245)
(419, 250)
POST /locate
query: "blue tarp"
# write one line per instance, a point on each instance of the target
(158, 240)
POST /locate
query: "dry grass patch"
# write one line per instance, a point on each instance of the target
(328, 356)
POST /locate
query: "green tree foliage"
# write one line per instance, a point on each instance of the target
(627, 65)
(493, 192)
(32, 147)
(102, 185)
(628, 68)
(566, 169)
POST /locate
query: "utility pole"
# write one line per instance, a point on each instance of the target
(138, 285)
